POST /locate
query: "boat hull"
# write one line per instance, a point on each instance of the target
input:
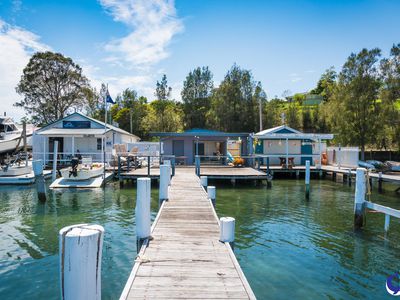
(16, 171)
(82, 174)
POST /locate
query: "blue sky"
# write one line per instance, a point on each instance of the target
(130, 43)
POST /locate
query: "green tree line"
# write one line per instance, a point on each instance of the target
(361, 102)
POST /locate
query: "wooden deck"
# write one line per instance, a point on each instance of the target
(185, 260)
(227, 172)
(141, 172)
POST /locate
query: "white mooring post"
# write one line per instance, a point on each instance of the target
(142, 210)
(164, 181)
(359, 198)
(204, 181)
(55, 154)
(227, 230)
(168, 163)
(212, 193)
(307, 179)
(80, 261)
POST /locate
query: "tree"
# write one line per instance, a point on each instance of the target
(326, 84)
(354, 111)
(169, 121)
(163, 91)
(390, 97)
(234, 104)
(52, 86)
(196, 96)
(129, 111)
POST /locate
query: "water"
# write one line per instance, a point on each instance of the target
(29, 237)
(287, 247)
(290, 248)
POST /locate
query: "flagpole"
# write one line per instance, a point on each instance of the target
(104, 135)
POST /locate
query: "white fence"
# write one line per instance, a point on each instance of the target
(343, 156)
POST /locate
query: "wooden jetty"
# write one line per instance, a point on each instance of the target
(91, 183)
(185, 259)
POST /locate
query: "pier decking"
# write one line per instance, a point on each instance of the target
(227, 172)
(185, 258)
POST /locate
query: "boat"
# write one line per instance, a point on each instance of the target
(393, 165)
(82, 171)
(11, 135)
(15, 170)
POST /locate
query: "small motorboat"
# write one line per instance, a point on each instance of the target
(82, 171)
(15, 170)
(393, 166)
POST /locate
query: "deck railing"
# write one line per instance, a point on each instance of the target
(128, 162)
(64, 158)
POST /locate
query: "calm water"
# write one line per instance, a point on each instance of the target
(293, 249)
(29, 237)
(287, 247)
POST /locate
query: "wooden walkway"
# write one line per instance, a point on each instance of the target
(228, 172)
(185, 260)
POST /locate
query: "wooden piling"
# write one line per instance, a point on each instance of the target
(307, 179)
(211, 192)
(387, 222)
(203, 181)
(164, 183)
(142, 210)
(359, 198)
(349, 177)
(227, 230)
(80, 261)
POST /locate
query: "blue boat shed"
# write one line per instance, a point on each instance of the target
(208, 144)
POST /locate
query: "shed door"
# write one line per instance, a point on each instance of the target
(306, 148)
(178, 148)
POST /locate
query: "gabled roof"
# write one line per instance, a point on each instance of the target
(279, 129)
(109, 127)
(286, 132)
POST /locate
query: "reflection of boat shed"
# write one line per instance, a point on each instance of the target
(203, 142)
(283, 143)
(79, 132)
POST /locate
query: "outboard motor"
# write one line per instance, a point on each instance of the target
(74, 167)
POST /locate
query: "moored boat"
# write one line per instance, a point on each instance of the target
(83, 171)
(15, 170)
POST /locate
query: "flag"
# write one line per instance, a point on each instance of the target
(109, 99)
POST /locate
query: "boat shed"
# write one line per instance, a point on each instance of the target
(283, 144)
(78, 132)
(208, 144)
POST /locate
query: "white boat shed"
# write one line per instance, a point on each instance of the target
(283, 143)
(78, 132)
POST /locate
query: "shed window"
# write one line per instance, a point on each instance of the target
(99, 144)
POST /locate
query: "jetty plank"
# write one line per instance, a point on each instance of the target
(185, 259)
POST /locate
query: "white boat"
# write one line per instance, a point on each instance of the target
(83, 172)
(15, 170)
(10, 135)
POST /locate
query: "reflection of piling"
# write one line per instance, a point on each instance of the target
(269, 181)
(37, 166)
(55, 154)
(227, 230)
(80, 261)
(359, 198)
(142, 210)
(307, 179)
(380, 189)
(349, 177)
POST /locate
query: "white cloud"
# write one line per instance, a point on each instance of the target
(16, 47)
(153, 24)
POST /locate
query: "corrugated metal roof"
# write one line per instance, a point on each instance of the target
(199, 132)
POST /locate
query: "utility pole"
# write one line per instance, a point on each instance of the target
(260, 113)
